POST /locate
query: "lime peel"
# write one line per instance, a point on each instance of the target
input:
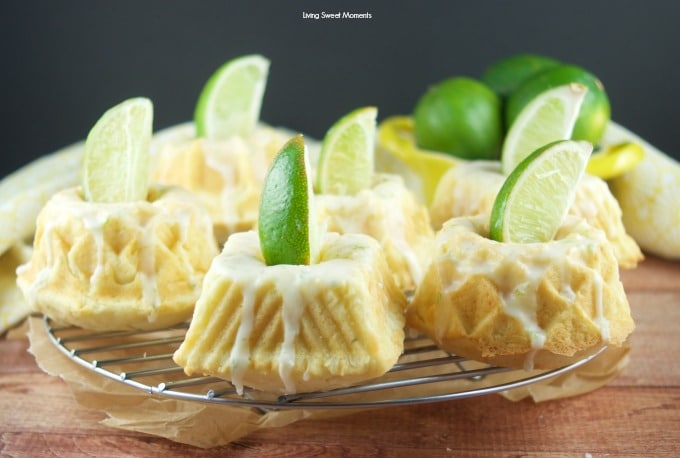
(536, 196)
(460, 116)
(615, 160)
(116, 158)
(505, 75)
(287, 224)
(395, 136)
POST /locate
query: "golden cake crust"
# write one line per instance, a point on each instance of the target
(227, 175)
(290, 328)
(117, 266)
(390, 213)
(521, 305)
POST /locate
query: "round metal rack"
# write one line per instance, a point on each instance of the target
(424, 373)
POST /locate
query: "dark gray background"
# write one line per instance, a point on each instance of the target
(64, 62)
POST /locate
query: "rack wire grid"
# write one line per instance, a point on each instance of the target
(423, 374)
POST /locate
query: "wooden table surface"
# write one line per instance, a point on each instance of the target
(637, 414)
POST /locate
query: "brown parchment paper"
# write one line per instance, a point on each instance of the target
(208, 425)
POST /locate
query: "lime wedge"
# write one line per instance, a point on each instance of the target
(549, 117)
(395, 136)
(536, 196)
(595, 110)
(346, 160)
(287, 222)
(230, 101)
(615, 160)
(116, 155)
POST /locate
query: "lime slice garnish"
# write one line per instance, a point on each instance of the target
(346, 161)
(536, 196)
(116, 156)
(615, 160)
(395, 136)
(595, 110)
(287, 221)
(230, 101)
(549, 117)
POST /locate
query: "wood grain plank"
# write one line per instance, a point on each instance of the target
(89, 445)
(653, 274)
(14, 357)
(39, 402)
(654, 343)
(492, 424)
(613, 421)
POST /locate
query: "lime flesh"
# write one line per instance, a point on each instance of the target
(595, 111)
(230, 101)
(116, 156)
(549, 117)
(535, 197)
(346, 162)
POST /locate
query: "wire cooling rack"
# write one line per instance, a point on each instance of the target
(424, 373)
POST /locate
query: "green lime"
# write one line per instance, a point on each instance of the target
(548, 117)
(287, 222)
(506, 75)
(116, 156)
(230, 101)
(595, 111)
(535, 197)
(459, 116)
(346, 161)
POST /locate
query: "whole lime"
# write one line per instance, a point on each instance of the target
(595, 111)
(459, 116)
(506, 75)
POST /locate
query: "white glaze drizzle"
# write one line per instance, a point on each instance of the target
(297, 286)
(518, 275)
(292, 309)
(601, 321)
(69, 206)
(240, 162)
(353, 215)
(240, 353)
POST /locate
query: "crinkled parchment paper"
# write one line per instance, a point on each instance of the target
(208, 425)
